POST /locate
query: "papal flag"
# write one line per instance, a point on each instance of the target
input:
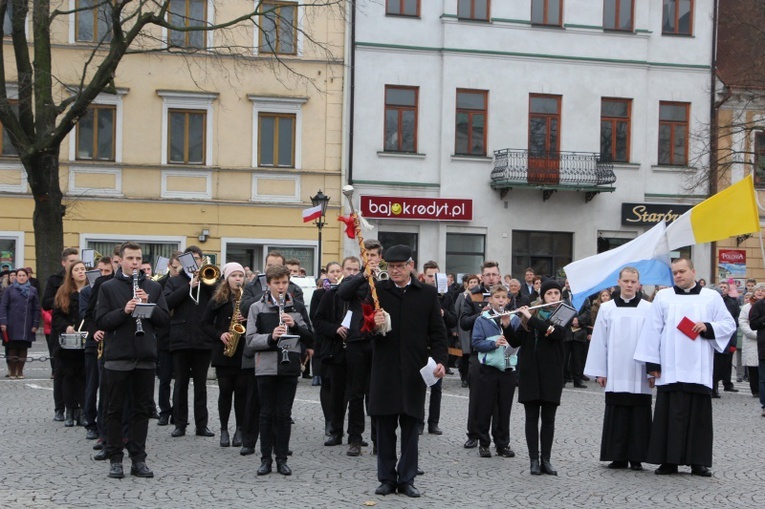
(732, 211)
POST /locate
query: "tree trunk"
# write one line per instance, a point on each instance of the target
(48, 218)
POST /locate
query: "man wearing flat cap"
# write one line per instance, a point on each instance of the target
(397, 390)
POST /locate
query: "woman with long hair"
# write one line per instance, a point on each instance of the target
(233, 381)
(19, 320)
(540, 375)
(67, 320)
(749, 341)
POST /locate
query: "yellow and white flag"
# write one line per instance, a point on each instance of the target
(732, 211)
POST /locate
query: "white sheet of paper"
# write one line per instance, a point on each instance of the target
(427, 372)
(442, 282)
(162, 263)
(347, 319)
(88, 257)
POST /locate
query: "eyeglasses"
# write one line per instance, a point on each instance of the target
(396, 266)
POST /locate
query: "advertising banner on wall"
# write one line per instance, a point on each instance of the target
(421, 209)
(731, 264)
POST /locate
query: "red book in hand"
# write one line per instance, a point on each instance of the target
(686, 327)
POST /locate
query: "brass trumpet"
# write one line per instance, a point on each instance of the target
(208, 274)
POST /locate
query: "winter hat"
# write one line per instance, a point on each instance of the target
(548, 284)
(230, 268)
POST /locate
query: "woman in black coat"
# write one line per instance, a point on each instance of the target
(67, 320)
(19, 320)
(232, 379)
(540, 376)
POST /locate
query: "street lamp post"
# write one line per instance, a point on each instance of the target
(320, 199)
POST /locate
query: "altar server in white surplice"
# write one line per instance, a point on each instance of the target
(627, 419)
(682, 421)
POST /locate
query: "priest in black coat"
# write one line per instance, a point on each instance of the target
(397, 390)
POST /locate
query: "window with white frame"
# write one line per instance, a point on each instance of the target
(92, 20)
(187, 120)
(151, 246)
(11, 250)
(277, 127)
(98, 134)
(191, 15)
(252, 253)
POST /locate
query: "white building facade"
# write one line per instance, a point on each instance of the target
(530, 132)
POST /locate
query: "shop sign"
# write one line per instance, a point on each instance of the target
(649, 214)
(421, 209)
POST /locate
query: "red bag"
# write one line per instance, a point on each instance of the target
(5, 337)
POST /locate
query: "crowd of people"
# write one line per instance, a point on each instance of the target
(364, 338)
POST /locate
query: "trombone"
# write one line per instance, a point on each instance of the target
(208, 274)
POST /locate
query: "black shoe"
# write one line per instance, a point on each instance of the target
(282, 468)
(449, 371)
(69, 419)
(154, 414)
(225, 440)
(547, 468)
(328, 430)
(101, 456)
(464, 384)
(289, 453)
(58, 416)
(579, 385)
(471, 443)
(420, 428)
(91, 434)
(420, 471)
(730, 389)
(700, 470)
(715, 395)
(98, 445)
(333, 440)
(666, 469)
(265, 467)
(78, 418)
(115, 471)
(636, 465)
(505, 452)
(385, 488)
(354, 450)
(435, 430)
(409, 490)
(316, 381)
(139, 469)
(484, 452)
(178, 432)
(246, 451)
(364, 443)
(204, 432)
(585, 378)
(237, 440)
(535, 469)
(163, 420)
(618, 464)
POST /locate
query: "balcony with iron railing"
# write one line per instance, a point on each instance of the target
(552, 171)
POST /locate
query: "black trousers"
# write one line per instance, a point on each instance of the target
(90, 407)
(406, 470)
(190, 364)
(72, 369)
(723, 367)
(165, 375)
(463, 364)
(338, 391)
(232, 385)
(574, 357)
(140, 384)
(358, 357)
(325, 396)
(547, 411)
(754, 379)
(251, 421)
(276, 394)
(496, 390)
(58, 391)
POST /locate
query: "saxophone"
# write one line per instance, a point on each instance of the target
(235, 329)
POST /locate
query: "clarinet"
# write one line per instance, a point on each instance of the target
(138, 323)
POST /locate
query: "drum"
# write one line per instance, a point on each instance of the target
(73, 341)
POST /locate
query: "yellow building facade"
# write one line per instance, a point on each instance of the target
(195, 147)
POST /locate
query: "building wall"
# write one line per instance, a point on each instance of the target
(141, 195)
(511, 59)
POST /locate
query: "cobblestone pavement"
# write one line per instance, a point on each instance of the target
(45, 464)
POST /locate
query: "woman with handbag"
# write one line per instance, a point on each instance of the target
(66, 320)
(19, 320)
(540, 375)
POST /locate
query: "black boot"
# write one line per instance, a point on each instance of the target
(69, 419)
(78, 417)
(547, 468)
(225, 441)
(237, 440)
(535, 470)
